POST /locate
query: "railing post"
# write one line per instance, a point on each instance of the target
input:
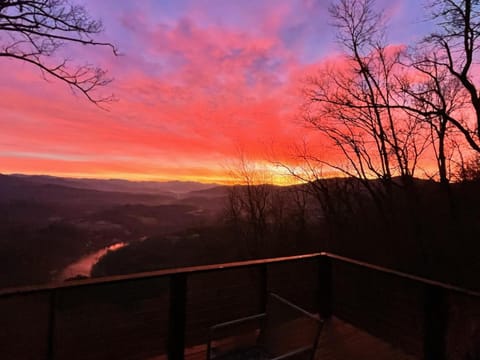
(263, 287)
(325, 287)
(176, 319)
(52, 304)
(435, 323)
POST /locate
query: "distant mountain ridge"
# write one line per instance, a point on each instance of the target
(118, 185)
(21, 189)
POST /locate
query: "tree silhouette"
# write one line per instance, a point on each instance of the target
(33, 31)
(356, 106)
(454, 47)
(359, 107)
(248, 201)
(435, 96)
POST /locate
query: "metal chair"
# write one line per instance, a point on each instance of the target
(284, 331)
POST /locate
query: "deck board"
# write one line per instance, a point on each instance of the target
(339, 341)
(342, 341)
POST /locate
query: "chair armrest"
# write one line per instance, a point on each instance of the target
(297, 308)
(228, 324)
(238, 321)
(293, 353)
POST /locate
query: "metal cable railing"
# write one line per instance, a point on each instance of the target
(434, 307)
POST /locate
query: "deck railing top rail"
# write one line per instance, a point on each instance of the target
(155, 274)
(404, 275)
(231, 265)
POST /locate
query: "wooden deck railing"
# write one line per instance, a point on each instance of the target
(345, 287)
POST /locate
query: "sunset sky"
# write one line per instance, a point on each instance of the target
(196, 81)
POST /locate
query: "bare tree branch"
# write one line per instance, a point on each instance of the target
(34, 30)
(455, 45)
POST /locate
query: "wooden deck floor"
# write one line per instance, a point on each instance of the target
(342, 341)
(338, 341)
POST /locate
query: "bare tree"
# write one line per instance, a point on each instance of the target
(269, 219)
(470, 170)
(356, 106)
(299, 196)
(454, 45)
(33, 31)
(430, 92)
(249, 201)
(333, 195)
(382, 119)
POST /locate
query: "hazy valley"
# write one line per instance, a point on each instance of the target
(48, 223)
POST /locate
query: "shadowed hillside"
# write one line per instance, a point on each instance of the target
(46, 224)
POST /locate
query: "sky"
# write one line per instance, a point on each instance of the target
(197, 83)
